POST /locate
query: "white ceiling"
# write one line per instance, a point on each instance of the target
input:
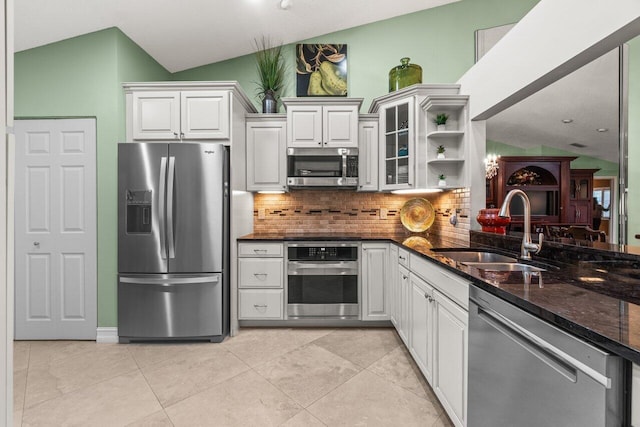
(588, 96)
(182, 34)
(190, 33)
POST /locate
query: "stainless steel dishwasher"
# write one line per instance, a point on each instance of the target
(526, 372)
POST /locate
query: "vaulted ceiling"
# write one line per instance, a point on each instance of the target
(182, 34)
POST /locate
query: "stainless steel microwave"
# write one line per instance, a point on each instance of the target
(322, 167)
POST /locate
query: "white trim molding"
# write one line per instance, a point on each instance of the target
(106, 335)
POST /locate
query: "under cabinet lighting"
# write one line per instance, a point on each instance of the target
(418, 191)
(271, 192)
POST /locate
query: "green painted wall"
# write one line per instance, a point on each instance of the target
(81, 77)
(633, 202)
(441, 40)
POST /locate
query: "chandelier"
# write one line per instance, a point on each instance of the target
(491, 166)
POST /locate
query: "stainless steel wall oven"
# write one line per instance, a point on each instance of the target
(322, 280)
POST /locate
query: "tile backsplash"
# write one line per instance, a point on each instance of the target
(348, 211)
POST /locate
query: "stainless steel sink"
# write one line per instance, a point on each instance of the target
(466, 257)
(504, 266)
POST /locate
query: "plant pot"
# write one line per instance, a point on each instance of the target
(269, 103)
(440, 156)
(442, 128)
(442, 183)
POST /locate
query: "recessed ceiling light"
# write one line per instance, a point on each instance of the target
(565, 121)
(602, 130)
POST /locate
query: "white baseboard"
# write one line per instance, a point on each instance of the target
(107, 335)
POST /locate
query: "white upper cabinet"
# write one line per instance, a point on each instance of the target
(204, 114)
(156, 115)
(180, 115)
(266, 152)
(186, 111)
(368, 153)
(304, 124)
(446, 148)
(403, 148)
(322, 122)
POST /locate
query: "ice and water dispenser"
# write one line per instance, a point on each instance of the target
(139, 211)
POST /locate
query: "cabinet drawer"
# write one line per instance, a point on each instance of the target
(260, 249)
(448, 283)
(260, 303)
(403, 257)
(260, 272)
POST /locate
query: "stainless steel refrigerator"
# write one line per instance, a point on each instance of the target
(173, 241)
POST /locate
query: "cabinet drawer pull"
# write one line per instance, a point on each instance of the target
(260, 274)
(402, 258)
(260, 305)
(260, 251)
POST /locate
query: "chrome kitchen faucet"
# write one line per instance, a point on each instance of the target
(527, 245)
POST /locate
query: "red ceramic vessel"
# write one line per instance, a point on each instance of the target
(491, 222)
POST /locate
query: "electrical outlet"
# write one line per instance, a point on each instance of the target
(261, 214)
(383, 213)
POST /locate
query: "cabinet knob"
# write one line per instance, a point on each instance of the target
(175, 134)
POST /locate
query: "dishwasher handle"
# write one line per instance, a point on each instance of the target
(547, 353)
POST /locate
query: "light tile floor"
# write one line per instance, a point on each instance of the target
(262, 377)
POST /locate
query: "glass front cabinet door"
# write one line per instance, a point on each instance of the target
(397, 145)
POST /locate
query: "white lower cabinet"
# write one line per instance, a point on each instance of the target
(260, 304)
(432, 320)
(260, 281)
(451, 324)
(421, 332)
(375, 275)
(403, 304)
(393, 285)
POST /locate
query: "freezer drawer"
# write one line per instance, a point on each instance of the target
(167, 306)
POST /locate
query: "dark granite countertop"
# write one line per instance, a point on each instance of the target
(596, 298)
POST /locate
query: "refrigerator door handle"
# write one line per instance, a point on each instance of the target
(170, 240)
(162, 205)
(169, 282)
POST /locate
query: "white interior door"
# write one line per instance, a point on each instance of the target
(55, 229)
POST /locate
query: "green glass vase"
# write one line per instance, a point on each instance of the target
(404, 75)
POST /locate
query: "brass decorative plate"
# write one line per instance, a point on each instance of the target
(417, 215)
(418, 243)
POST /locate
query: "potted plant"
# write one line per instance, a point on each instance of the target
(441, 151)
(441, 121)
(442, 180)
(271, 71)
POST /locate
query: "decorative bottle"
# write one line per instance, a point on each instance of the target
(404, 75)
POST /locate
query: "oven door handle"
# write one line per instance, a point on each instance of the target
(318, 269)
